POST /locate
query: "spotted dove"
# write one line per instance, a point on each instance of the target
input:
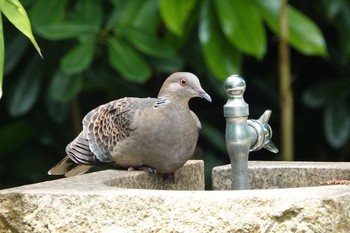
(156, 134)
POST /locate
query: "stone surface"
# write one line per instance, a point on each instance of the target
(280, 174)
(94, 203)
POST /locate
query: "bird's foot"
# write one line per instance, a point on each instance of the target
(143, 168)
(147, 169)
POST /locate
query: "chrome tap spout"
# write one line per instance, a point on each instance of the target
(243, 135)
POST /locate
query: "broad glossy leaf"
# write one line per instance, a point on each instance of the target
(221, 58)
(64, 88)
(2, 54)
(147, 17)
(114, 16)
(243, 26)
(65, 30)
(15, 48)
(343, 21)
(147, 42)
(304, 35)
(136, 14)
(89, 12)
(26, 89)
(15, 13)
(337, 123)
(129, 11)
(324, 91)
(175, 13)
(127, 61)
(332, 7)
(45, 12)
(78, 58)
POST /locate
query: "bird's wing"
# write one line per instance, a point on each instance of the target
(107, 125)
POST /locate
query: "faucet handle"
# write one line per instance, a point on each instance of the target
(263, 133)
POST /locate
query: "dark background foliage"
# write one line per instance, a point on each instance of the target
(97, 51)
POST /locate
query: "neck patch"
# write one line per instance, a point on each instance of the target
(161, 101)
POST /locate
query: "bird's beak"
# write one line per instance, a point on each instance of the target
(203, 94)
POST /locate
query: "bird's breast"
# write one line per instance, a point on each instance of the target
(164, 140)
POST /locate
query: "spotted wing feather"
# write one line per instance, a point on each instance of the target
(110, 124)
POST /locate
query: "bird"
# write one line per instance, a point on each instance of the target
(152, 134)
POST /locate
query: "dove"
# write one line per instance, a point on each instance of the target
(153, 134)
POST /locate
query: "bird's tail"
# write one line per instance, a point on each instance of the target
(68, 167)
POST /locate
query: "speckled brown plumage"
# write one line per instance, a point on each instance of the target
(158, 133)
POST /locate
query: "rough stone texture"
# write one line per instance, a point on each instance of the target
(189, 177)
(93, 203)
(280, 174)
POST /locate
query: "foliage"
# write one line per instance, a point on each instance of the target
(96, 51)
(333, 96)
(15, 13)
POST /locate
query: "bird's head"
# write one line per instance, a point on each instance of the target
(183, 85)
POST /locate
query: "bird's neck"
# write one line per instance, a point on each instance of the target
(162, 101)
(171, 101)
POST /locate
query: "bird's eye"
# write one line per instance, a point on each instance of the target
(183, 82)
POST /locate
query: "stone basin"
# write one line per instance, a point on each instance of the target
(282, 174)
(121, 201)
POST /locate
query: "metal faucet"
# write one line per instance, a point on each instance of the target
(243, 135)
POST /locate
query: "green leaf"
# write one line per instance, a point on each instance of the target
(65, 30)
(242, 25)
(89, 12)
(175, 13)
(78, 58)
(114, 16)
(2, 54)
(304, 35)
(147, 17)
(137, 14)
(127, 61)
(337, 123)
(15, 49)
(146, 42)
(332, 7)
(15, 13)
(221, 58)
(45, 12)
(343, 21)
(324, 92)
(26, 89)
(130, 12)
(64, 88)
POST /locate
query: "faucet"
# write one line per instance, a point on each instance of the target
(243, 135)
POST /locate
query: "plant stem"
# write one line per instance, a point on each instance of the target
(286, 93)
